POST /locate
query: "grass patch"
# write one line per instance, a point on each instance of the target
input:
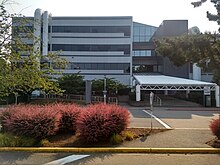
(9, 140)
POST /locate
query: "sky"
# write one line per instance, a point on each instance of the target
(150, 12)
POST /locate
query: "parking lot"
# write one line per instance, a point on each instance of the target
(175, 118)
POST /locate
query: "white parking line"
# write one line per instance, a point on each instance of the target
(160, 121)
(67, 159)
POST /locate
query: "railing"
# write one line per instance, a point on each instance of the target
(97, 99)
(158, 100)
(113, 100)
(77, 97)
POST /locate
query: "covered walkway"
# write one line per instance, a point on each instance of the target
(167, 83)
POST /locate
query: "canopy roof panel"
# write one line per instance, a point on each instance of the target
(168, 80)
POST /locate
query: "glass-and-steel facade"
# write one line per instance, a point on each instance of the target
(142, 35)
(142, 32)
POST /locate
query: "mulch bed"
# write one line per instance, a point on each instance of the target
(215, 143)
(70, 140)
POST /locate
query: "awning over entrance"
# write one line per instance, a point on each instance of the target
(161, 82)
(166, 83)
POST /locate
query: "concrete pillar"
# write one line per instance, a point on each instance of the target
(37, 31)
(49, 34)
(88, 91)
(138, 93)
(217, 98)
(45, 33)
(196, 73)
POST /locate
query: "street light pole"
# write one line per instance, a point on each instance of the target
(151, 108)
(104, 91)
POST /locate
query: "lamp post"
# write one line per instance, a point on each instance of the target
(151, 108)
(104, 91)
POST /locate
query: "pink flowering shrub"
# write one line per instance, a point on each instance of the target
(215, 127)
(69, 115)
(99, 122)
(31, 120)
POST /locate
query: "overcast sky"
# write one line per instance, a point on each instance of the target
(151, 12)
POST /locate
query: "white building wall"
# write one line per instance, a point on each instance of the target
(37, 30)
(45, 33)
(95, 39)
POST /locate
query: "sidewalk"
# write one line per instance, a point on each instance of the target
(174, 139)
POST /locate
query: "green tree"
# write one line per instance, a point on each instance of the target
(72, 84)
(112, 86)
(23, 74)
(203, 49)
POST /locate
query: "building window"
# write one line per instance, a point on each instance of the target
(142, 33)
(101, 66)
(142, 53)
(144, 69)
(92, 29)
(71, 47)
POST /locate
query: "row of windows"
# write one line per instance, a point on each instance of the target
(100, 66)
(71, 47)
(143, 53)
(78, 29)
(92, 29)
(146, 68)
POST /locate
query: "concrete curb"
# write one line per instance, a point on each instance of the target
(115, 150)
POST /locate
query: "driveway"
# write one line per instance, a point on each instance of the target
(175, 118)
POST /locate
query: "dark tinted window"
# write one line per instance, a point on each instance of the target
(92, 29)
(70, 47)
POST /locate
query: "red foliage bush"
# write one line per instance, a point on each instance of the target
(31, 120)
(69, 115)
(99, 122)
(215, 127)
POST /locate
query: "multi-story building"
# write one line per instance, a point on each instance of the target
(119, 48)
(115, 47)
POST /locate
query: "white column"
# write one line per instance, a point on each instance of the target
(166, 92)
(217, 96)
(37, 31)
(138, 93)
(187, 93)
(45, 33)
(196, 72)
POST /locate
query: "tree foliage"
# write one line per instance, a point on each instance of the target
(112, 86)
(203, 49)
(23, 73)
(72, 84)
(210, 16)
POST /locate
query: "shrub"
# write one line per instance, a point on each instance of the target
(215, 127)
(130, 135)
(31, 120)
(69, 115)
(5, 114)
(9, 140)
(45, 143)
(116, 139)
(99, 122)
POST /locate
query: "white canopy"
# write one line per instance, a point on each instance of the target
(161, 82)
